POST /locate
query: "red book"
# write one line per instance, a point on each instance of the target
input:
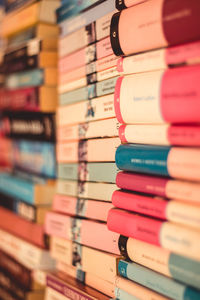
(31, 232)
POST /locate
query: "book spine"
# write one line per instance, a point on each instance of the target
(137, 290)
(78, 95)
(27, 99)
(71, 9)
(106, 63)
(122, 295)
(165, 161)
(168, 264)
(37, 157)
(79, 231)
(21, 274)
(52, 294)
(11, 6)
(165, 234)
(95, 210)
(11, 285)
(25, 79)
(163, 135)
(33, 126)
(95, 109)
(121, 33)
(85, 151)
(71, 25)
(106, 87)
(16, 187)
(159, 283)
(106, 74)
(158, 208)
(85, 56)
(159, 96)
(174, 189)
(21, 65)
(16, 225)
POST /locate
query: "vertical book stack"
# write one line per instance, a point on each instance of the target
(157, 101)
(28, 102)
(87, 138)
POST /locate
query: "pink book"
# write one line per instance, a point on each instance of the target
(86, 55)
(177, 238)
(159, 208)
(90, 209)
(98, 150)
(184, 54)
(157, 97)
(164, 187)
(88, 233)
(164, 135)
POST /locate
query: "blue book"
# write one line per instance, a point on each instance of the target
(157, 282)
(72, 8)
(122, 295)
(70, 25)
(143, 159)
(35, 157)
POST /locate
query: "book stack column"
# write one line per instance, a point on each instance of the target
(28, 103)
(87, 139)
(157, 101)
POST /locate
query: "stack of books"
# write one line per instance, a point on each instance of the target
(27, 101)
(157, 209)
(87, 138)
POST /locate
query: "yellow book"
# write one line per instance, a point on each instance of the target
(43, 11)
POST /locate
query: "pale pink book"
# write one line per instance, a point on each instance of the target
(98, 150)
(91, 209)
(106, 62)
(100, 284)
(88, 233)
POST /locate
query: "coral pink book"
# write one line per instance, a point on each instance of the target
(159, 208)
(96, 210)
(163, 135)
(154, 24)
(88, 233)
(157, 97)
(177, 238)
(184, 191)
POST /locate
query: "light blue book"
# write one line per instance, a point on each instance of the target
(157, 282)
(122, 295)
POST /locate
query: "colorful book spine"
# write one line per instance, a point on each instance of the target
(70, 9)
(123, 4)
(162, 88)
(159, 283)
(98, 150)
(181, 163)
(36, 157)
(99, 172)
(136, 290)
(93, 110)
(160, 208)
(85, 36)
(16, 225)
(85, 56)
(175, 56)
(133, 22)
(180, 268)
(122, 295)
(32, 78)
(20, 250)
(164, 187)
(70, 288)
(91, 190)
(29, 125)
(84, 19)
(163, 135)
(174, 237)
(88, 233)
(90, 209)
(97, 129)
(21, 274)
(28, 17)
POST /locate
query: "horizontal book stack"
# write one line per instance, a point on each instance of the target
(87, 138)
(28, 102)
(157, 101)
